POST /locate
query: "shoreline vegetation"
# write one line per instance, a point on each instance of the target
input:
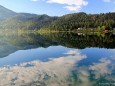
(42, 31)
(78, 31)
(22, 38)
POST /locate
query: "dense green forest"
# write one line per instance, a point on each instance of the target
(83, 21)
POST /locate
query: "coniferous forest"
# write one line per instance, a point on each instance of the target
(83, 20)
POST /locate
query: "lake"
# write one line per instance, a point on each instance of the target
(57, 59)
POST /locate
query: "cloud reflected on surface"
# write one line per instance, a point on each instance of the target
(101, 68)
(55, 72)
(104, 70)
(62, 71)
(73, 52)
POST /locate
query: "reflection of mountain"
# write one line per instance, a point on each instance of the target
(10, 43)
(81, 41)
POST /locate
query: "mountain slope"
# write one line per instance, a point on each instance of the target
(27, 21)
(13, 20)
(5, 13)
(83, 20)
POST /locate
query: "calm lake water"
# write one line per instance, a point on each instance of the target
(57, 59)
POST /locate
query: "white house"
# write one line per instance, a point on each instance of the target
(79, 28)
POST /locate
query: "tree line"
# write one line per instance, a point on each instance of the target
(83, 20)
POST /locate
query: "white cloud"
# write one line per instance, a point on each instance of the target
(73, 8)
(72, 5)
(69, 2)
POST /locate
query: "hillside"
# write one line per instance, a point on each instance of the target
(6, 13)
(83, 20)
(12, 20)
(27, 21)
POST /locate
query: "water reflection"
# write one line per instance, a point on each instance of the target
(10, 43)
(57, 59)
(55, 72)
(61, 71)
(81, 41)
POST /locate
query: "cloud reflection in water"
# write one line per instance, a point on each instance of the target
(62, 71)
(55, 72)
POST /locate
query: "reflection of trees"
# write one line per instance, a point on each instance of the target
(82, 41)
(27, 40)
(74, 40)
(10, 43)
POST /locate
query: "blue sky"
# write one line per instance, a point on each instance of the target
(59, 7)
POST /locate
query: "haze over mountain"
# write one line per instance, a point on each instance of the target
(13, 20)
(6, 13)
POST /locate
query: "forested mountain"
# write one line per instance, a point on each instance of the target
(13, 20)
(27, 21)
(83, 20)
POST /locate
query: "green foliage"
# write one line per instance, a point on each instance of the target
(83, 21)
(27, 21)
